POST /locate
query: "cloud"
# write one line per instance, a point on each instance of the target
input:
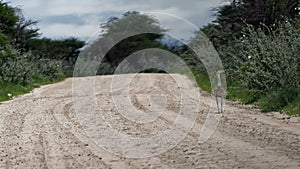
(61, 18)
(59, 31)
(65, 19)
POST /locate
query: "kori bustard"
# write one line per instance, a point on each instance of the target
(219, 92)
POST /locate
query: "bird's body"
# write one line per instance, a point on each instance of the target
(219, 93)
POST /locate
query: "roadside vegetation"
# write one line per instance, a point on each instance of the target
(26, 59)
(259, 44)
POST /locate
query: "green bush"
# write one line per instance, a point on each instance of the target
(264, 65)
(17, 70)
(50, 69)
(23, 69)
(266, 61)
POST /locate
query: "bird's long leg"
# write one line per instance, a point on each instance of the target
(217, 104)
(222, 99)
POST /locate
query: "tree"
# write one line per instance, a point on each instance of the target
(5, 49)
(24, 31)
(129, 23)
(8, 18)
(15, 27)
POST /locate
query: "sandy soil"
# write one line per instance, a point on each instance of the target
(43, 130)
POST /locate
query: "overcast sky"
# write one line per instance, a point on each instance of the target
(81, 18)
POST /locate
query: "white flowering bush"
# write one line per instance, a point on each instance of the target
(266, 64)
(50, 68)
(16, 70)
(22, 69)
(266, 59)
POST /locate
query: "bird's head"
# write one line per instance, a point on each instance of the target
(219, 72)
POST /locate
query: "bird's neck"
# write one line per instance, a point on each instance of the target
(219, 80)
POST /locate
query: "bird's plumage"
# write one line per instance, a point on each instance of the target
(219, 91)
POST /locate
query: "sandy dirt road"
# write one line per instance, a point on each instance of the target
(42, 130)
